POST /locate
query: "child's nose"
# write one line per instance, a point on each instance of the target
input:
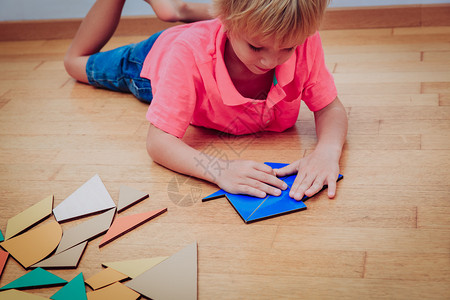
(269, 62)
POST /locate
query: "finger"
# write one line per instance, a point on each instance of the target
(331, 189)
(263, 188)
(251, 191)
(301, 184)
(288, 170)
(269, 179)
(315, 187)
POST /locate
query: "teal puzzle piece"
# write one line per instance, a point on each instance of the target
(36, 278)
(74, 290)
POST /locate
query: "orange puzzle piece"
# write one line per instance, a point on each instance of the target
(124, 224)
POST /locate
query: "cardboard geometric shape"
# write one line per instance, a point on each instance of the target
(219, 194)
(34, 245)
(91, 197)
(19, 295)
(122, 225)
(252, 209)
(3, 258)
(86, 231)
(174, 278)
(36, 278)
(105, 277)
(74, 290)
(129, 196)
(2, 238)
(134, 268)
(115, 291)
(29, 217)
(65, 259)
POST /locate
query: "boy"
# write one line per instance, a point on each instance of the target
(257, 61)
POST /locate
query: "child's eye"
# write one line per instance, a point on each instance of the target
(256, 49)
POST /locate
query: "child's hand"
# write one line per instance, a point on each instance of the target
(313, 172)
(250, 178)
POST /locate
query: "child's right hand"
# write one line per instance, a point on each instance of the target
(250, 178)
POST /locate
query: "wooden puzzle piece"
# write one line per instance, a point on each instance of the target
(123, 225)
(219, 194)
(19, 295)
(253, 209)
(91, 197)
(274, 206)
(66, 259)
(29, 217)
(34, 245)
(174, 278)
(74, 290)
(115, 291)
(3, 258)
(134, 268)
(86, 231)
(129, 196)
(105, 277)
(33, 279)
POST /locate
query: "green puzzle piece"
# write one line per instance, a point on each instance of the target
(1, 236)
(74, 290)
(36, 278)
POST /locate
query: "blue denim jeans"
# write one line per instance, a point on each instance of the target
(119, 69)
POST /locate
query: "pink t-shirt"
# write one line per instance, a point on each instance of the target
(191, 84)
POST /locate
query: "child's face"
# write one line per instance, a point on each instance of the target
(261, 55)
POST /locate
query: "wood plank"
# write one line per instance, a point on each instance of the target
(282, 262)
(389, 100)
(433, 217)
(216, 285)
(408, 266)
(410, 240)
(425, 127)
(400, 113)
(372, 17)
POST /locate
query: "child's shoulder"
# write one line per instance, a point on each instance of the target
(201, 29)
(198, 38)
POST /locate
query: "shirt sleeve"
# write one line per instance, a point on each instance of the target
(173, 78)
(319, 90)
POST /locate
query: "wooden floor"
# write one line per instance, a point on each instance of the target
(385, 236)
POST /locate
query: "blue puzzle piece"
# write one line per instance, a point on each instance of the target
(274, 206)
(215, 195)
(253, 209)
(245, 205)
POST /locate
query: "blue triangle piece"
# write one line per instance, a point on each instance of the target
(74, 290)
(2, 238)
(275, 165)
(36, 278)
(275, 206)
(245, 205)
(215, 195)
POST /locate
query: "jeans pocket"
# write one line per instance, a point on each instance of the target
(141, 88)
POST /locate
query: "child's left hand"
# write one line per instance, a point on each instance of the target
(317, 169)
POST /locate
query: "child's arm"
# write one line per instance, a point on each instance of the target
(321, 167)
(234, 176)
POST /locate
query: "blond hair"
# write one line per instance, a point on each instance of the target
(286, 20)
